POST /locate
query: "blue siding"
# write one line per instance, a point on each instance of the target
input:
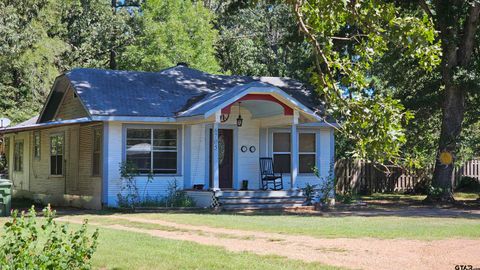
(105, 164)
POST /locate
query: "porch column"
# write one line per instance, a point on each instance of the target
(294, 150)
(215, 170)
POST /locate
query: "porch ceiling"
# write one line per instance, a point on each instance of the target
(260, 108)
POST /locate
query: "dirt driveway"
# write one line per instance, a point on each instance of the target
(359, 253)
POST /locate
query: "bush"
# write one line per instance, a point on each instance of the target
(468, 184)
(177, 197)
(25, 245)
(326, 188)
(435, 192)
(309, 192)
(346, 197)
(128, 174)
(422, 187)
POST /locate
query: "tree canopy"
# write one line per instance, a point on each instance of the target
(436, 39)
(172, 32)
(400, 76)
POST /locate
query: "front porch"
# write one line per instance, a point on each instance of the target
(222, 153)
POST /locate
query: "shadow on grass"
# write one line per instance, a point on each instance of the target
(383, 205)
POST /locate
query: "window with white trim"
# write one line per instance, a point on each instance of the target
(152, 150)
(18, 156)
(36, 144)
(56, 154)
(97, 151)
(306, 152)
(281, 152)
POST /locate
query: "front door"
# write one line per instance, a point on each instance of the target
(225, 158)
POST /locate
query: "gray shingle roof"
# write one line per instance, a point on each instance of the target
(162, 94)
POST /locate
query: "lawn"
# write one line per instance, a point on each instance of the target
(127, 250)
(459, 196)
(351, 227)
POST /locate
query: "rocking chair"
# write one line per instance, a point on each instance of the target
(268, 176)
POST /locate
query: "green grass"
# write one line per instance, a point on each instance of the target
(466, 196)
(127, 250)
(461, 196)
(350, 227)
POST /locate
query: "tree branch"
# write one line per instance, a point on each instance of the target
(469, 30)
(316, 45)
(426, 8)
(318, 50)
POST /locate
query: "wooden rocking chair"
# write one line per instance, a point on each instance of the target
(268, 176)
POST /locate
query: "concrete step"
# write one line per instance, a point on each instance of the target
(260, 206)
(259, 193)
(250, 200)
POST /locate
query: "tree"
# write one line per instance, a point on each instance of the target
(92, 31)
(457, 23)
(440, 35)
(27, 55)
(39, 39)
(172, 32)
(348, 38)
(262, 39)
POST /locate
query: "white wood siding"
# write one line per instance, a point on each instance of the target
(197, 154)
(248, 162)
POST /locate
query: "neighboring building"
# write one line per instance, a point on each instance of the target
(163, 122)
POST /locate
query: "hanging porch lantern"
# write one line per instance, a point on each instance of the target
(239, 118)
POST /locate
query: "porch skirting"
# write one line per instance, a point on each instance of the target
(202, 198)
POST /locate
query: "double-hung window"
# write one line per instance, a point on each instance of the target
(56, 154)
(36, 144)
(281, 152)
(306, 152)
(18, 156)
(152, 150)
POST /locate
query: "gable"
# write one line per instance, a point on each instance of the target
(70, 107)
(61, 103)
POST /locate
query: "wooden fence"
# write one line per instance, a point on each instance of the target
(362, 177)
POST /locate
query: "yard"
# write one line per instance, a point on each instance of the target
(344, 238)
(354, 239)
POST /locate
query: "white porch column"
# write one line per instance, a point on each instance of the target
(294, 150)
(215, 170)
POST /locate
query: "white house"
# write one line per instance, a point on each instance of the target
(167, 123)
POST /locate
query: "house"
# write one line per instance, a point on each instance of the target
(166, 123)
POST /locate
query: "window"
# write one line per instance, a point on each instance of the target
(56, 154)
(306, 152)
(36, 144)
(97, 151)
(153, 150)
(281, 152)
(18, 156)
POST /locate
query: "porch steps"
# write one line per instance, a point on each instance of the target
(246, 200)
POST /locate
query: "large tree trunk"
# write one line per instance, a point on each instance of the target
(457, 47)
(453, 114)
